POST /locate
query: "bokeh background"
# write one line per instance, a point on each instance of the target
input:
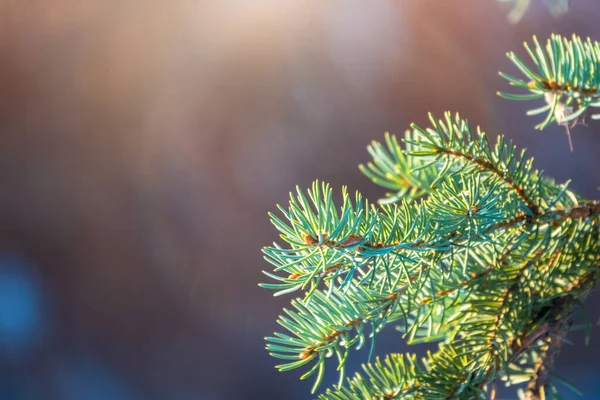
(142, 144)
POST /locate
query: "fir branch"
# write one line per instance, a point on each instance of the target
(481, 265)
(518, 8)
(567, 78)
(325, 326)
(392, 169)
(395, 377)
(539, 382)
(454, 139)
(382, 304)
(493, 169)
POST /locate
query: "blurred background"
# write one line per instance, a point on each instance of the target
(142, 144)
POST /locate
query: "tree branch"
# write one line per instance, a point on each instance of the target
(539, 382)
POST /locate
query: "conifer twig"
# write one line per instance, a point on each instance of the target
(554, 340)
(566, 77)
(490, 265)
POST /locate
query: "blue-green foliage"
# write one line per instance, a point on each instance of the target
(520, 7)
(472, 266)
(408, 176)
(565, 75)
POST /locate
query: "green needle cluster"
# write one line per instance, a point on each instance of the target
(471, 248)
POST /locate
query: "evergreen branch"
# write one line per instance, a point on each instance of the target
(382, 304)
(420, 166)
(558, 323)
(469, 153)
(518, 8)
(392, 169)
(381, 245)
(396, 377)
(325, 326)
(489, 347)
(567, 78)
(491, 168)
(325, 244)
(539, 382)
(482, 264)
(407, 379)
(580, 212)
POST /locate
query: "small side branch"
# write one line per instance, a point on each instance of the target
(488, 166)
(554, 341)
(586, 210)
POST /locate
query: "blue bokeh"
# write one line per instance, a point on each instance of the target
(20, 305)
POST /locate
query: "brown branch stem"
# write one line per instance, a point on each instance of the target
(560, 88)
(489, 166)
(554, 340)
(586, 210)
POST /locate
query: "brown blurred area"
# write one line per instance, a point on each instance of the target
(142, 144)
